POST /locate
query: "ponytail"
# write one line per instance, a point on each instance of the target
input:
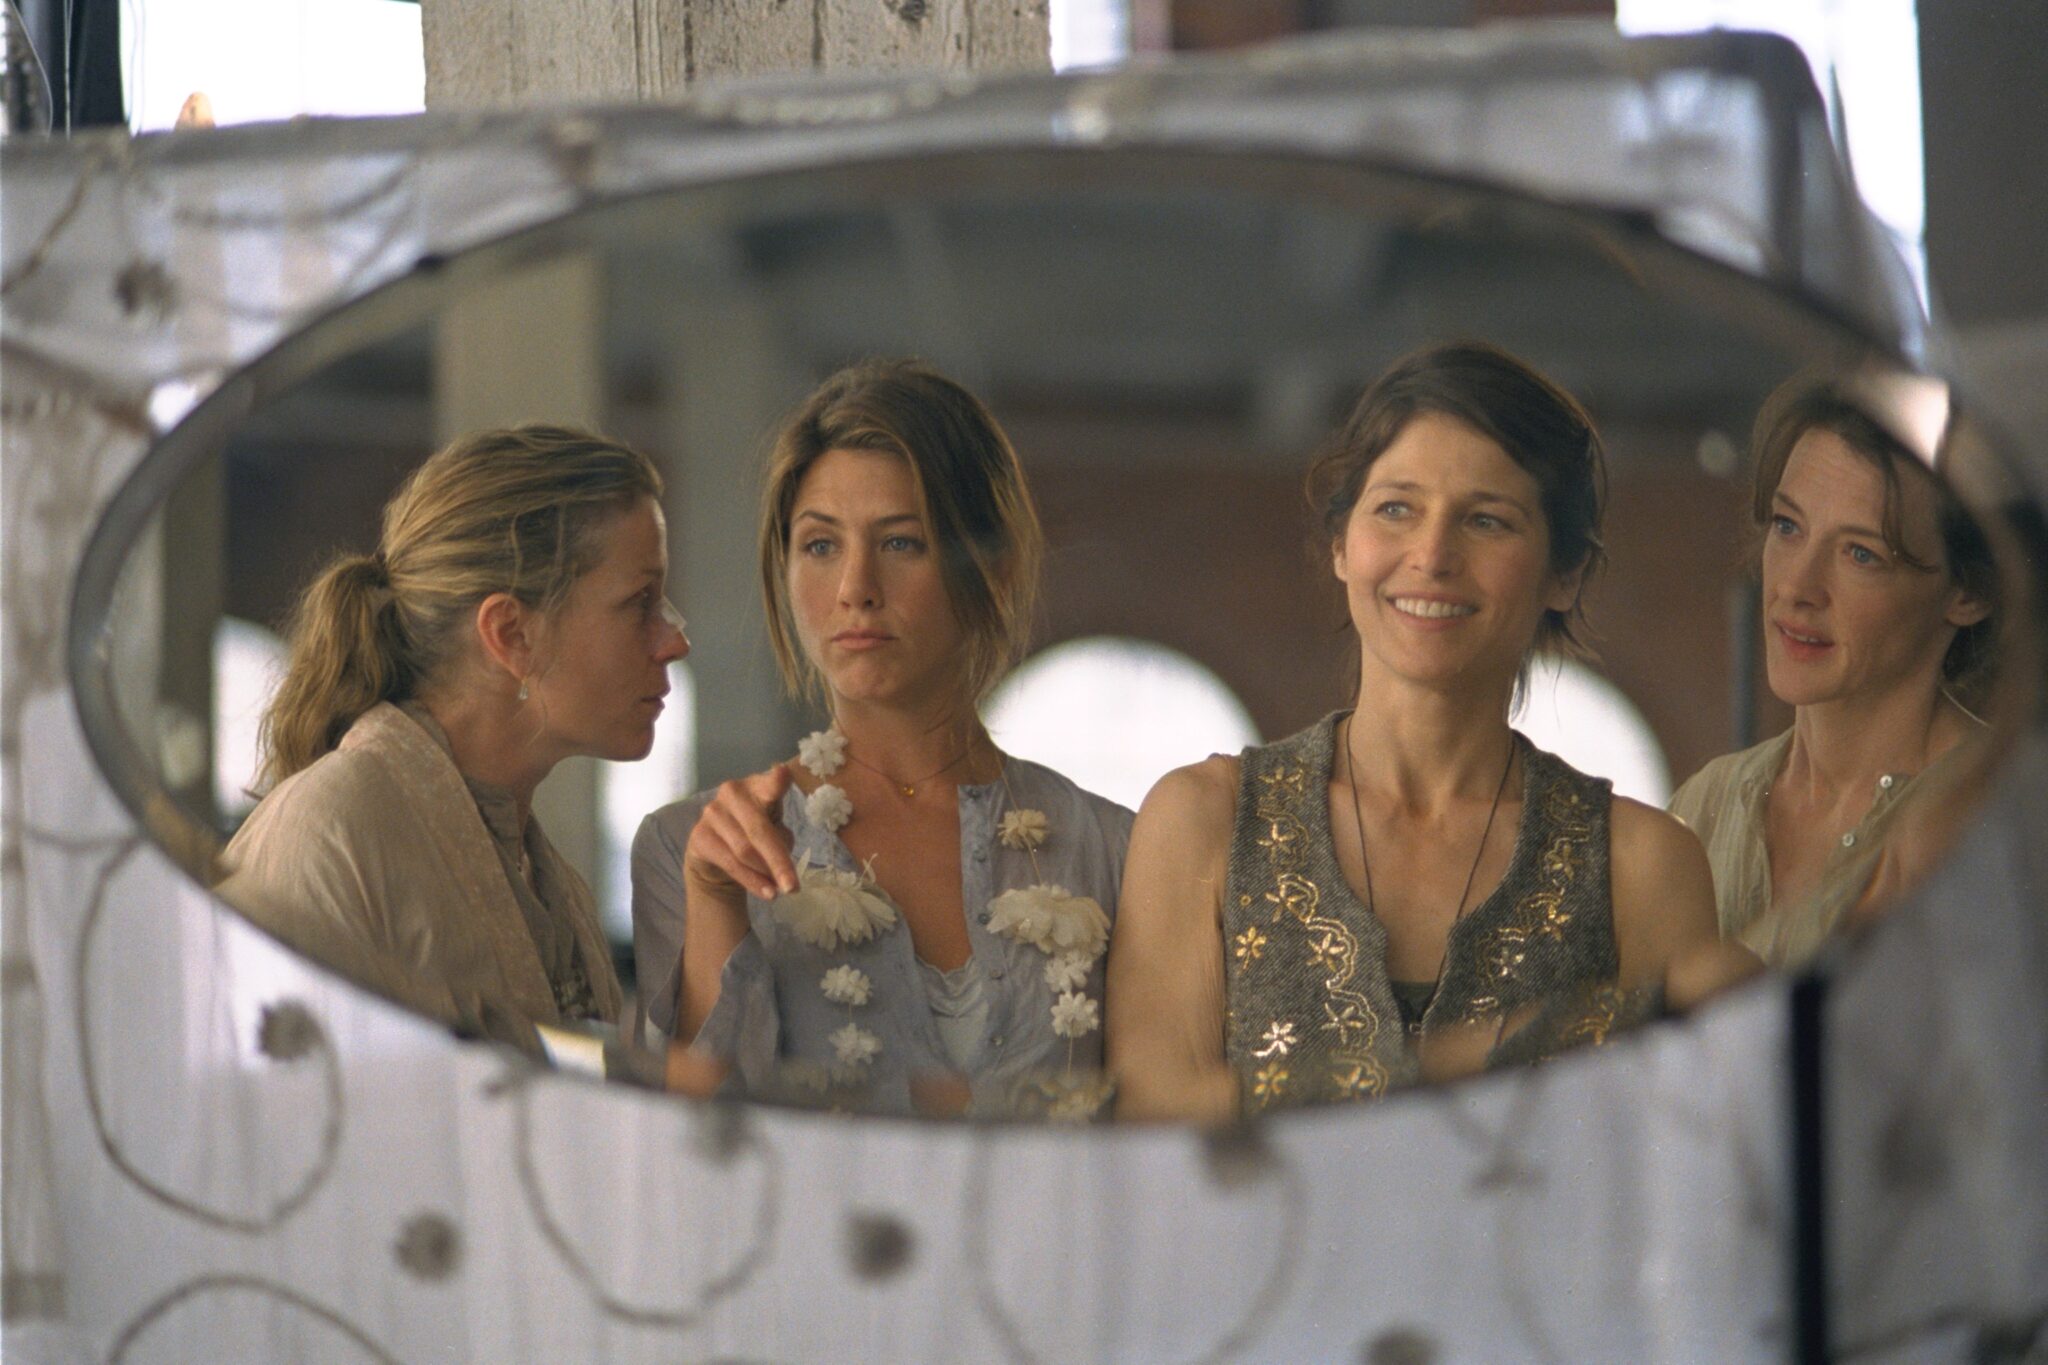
(347, 655)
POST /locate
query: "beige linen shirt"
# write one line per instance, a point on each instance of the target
(1723, 803)
(376, 861)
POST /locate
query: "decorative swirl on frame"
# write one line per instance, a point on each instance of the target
(1234, 1158)
(288, 1028)
(723, 1134)
(248, 1284)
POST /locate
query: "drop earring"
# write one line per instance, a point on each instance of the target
(522, 689)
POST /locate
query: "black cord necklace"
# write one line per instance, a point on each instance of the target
(1414, 1028)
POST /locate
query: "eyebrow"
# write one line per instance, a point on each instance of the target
(1867, 531)
(807, 515)
(1483, 495)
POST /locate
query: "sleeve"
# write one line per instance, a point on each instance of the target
(306, 878)
(658, 908)
(745, 1026)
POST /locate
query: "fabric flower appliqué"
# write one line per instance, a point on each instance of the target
(1074, 1014)
(832, 908)
(855, 1046)
(1051, 920)
(1023, 830)
(829, 808)
(822, 752)
(846, 985)
(1067, 972)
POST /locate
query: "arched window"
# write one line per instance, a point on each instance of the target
(626, 792)
(1591, 724)
(248, 662)
(1116, 715)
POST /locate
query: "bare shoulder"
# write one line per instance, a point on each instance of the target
(1197, 798)
(1645, 838)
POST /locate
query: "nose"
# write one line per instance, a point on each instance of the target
(858, 585)
(1435, 548)
(673, 641)
(1801, 575)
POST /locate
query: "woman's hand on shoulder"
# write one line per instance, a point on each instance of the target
(1665, 925)
(740, 842)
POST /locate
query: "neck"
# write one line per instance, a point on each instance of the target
(1841, 748)
(1427, 748)
(491, 740)
(913, 744)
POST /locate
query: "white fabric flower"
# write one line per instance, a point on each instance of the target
(822, 752)
(829, 808)
(832, 907)
(1024, 829)
(1074, 1014)
(1066, 972)
(1051, 920)
(854, 1045)
(846, 985)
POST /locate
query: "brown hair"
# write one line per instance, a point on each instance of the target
(970, 491)
(1807, 403)
(518, 510)
(1540, 426)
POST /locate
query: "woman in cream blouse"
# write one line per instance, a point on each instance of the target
(513, 614)
(1879, 597)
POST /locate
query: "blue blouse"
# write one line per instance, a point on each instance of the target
(772, 1020)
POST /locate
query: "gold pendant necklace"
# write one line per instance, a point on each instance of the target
(909, 789)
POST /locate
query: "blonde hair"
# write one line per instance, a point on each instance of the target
(517, 510)
(970, 491)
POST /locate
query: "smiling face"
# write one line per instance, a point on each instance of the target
(1445, 560)
(604, 653)
(865, 585)
(1845, 617)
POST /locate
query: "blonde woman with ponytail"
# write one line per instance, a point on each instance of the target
(512, 615)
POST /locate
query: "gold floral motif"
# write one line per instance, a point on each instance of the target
(1346, 1019)
(1542, 913)
(1328, 952)
(1282, 840)
(1251, 945)
(1269, 1082)
(1358, 1078)
(1596, 1020)
(1278, 1039)
(1285, 784)
(1294, 894)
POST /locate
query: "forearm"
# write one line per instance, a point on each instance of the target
(715, 924)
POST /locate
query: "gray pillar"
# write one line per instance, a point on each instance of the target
(514, 53)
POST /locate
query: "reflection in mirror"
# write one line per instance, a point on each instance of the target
(1166, 341)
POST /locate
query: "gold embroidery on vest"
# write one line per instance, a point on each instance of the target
(1332, 949)
(1542, 913)
(1250, 945)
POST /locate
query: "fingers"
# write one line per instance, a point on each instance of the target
(740, 837)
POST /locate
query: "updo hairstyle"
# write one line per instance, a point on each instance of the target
(1540, 426)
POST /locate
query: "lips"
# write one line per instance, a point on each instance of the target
(862, 639)
(1803, 644)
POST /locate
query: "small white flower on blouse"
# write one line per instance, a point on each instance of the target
(846, 985)
(1066, 972)
(822, 752)
(829, 808)
(1023, 829)
(832, 907)
(1052, 921)
(854, 1045)
(1074, 1014)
